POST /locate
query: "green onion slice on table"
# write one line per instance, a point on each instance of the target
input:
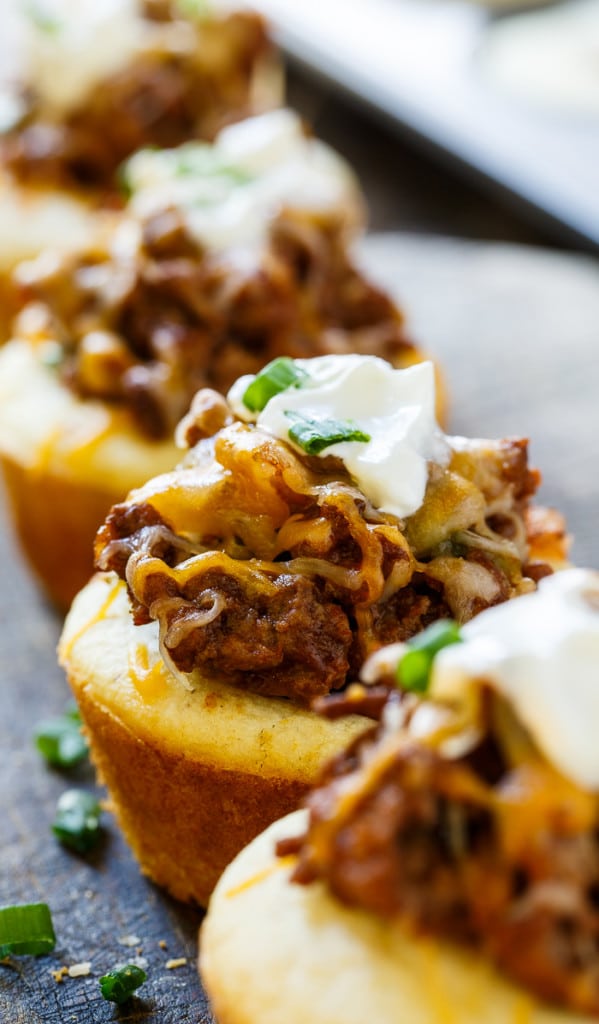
(276, 376)
(119, 985)
(60, 739)
(26, 929)
(414, 669)
(77, 821)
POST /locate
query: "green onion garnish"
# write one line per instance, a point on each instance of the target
(60, 739)
(194, 8)
(316, 435)
(118, 985)
(42, 18)
(204, 161)
(77, 821)
(52, 355)
(193, 159)
(26, 929)
(414, 669)
(277, 376)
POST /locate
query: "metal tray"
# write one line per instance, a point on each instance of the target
(417, 63)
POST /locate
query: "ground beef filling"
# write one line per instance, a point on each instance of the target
(273, 570)
(277, 635)
(162, 98)
(285, 578)
(149, 335)
(272, 631)
(433, 840)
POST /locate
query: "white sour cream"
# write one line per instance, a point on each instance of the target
(230, 192)
(68, 46)
(541, 652)
(63, 49)
(396, 408)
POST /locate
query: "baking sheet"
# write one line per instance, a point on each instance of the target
(418, 63)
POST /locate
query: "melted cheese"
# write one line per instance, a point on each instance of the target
(230, 192)
(278, 865)
(147, 672)
(395, 408)
(541, 652)
(45, 428)
(99, 614)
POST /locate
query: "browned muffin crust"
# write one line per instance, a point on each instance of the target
(483, 849)
(274, 571)
(194, 772)
(164, 97)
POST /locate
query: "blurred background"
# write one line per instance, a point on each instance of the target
(475, 131)
(473, 120)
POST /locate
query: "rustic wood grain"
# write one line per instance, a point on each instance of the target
(517, 332)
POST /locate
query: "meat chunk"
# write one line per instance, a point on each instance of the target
(269, 633)
(179, 319)
(186, 84)
(464, 849)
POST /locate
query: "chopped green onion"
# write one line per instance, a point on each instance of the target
(194, 8)
(414, 669)
(119, 984)
(316, 435)
(52, 355)
(42, 18)
(197, 159)
(277, 376)
(26, 929)
(77, 821)
(60, 739)
(205, 162)
(125, 175)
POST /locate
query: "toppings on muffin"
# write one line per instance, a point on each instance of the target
(281, 571)
(86, 84)
(471, 811)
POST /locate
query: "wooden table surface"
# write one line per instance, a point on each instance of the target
(516, 330)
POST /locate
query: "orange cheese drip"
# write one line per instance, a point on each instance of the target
(533, 795)
(148, 678)
(253, 880)
(96, 617)
(523, 1010)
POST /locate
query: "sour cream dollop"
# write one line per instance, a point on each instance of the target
(395, 408)
(69, 46)
(63, 49)
(229, 192)
(541, 652)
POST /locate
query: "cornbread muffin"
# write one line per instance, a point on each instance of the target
(267, 568)
(65, 462)
(447, 863)
(226, 256)
(35, 219)
(271, 951)
(193, 772)
(83, 85)
(339, 964)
